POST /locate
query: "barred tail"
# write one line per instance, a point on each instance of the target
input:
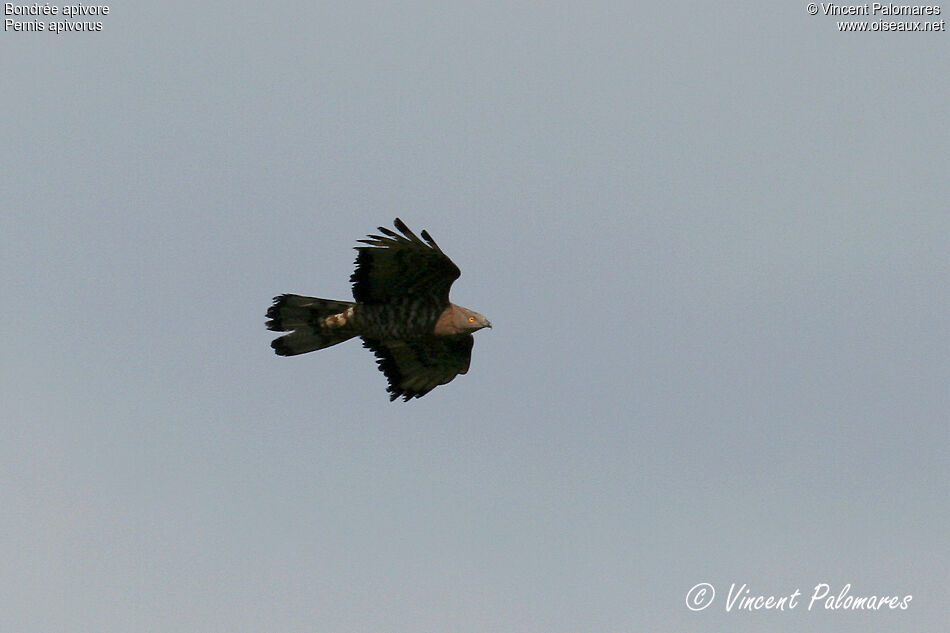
(307, 317)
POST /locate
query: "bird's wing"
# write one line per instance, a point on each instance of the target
(417, 366)
(394, 266)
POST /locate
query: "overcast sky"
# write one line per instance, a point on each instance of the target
(712, 240)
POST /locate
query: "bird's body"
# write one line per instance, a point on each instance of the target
(402, 312)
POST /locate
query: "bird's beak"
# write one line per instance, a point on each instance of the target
(488, 324)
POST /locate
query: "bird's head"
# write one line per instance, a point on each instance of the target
(469, 320)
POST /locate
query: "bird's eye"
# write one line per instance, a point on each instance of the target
(471, 319)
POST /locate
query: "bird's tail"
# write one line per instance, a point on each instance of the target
(316, 323)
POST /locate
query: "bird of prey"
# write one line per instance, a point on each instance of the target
(402, 312)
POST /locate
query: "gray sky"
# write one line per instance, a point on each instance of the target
(712, 239)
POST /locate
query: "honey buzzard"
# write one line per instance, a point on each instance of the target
(402, 312)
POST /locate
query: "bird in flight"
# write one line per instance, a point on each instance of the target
(402, 312)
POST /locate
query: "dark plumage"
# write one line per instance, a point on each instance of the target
(402, 312)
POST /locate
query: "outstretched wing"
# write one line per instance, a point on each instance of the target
(416, 367)
(395, 266)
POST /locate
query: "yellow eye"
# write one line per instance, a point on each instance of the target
(471, 319)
